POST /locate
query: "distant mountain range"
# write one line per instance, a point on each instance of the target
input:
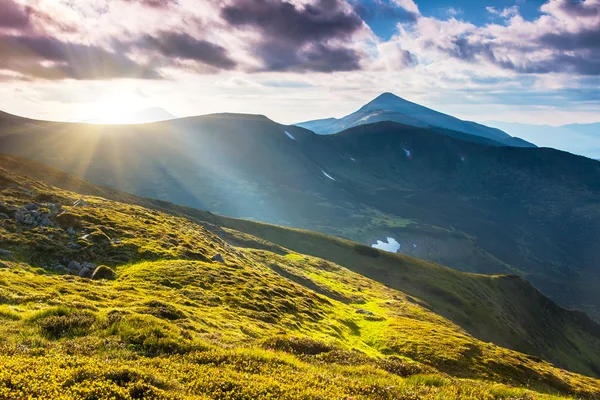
(471, 206)
(582, 139)
(389, 107)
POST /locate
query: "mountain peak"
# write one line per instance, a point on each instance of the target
(386, 101)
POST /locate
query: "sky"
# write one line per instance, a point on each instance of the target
(529, 61)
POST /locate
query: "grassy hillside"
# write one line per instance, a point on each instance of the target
(469, 206)
(266, 322)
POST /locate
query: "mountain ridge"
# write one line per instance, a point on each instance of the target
(390, 107)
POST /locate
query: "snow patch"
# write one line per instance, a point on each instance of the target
(391, 245)
(352, 159)
(407, 152)
(414, 246)
(327, 175)
(290, 135)
(462, 159)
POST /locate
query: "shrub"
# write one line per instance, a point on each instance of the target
(7, 313)
(61, 321)
(162, 310)
(297, 345)
(366, 250)
(149, 335)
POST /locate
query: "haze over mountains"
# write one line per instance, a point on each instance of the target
(468, 204)
(583, 139)
(143, 116)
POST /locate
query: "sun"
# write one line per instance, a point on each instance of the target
(115, 109)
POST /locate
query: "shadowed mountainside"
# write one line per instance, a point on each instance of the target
(470, 206)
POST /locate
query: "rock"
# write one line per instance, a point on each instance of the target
(84, 272)
(74, 266)
(71, 231)
(218, 258)
(60, 268)
(6, 252)
(89, 266)
(365, 312)
(19, 216)
(87, 235)
(28, 219)
(116, 241)
(31, 206)
(45, 221)
(80, 203)
(5, 216)
(55, 208)
(104, 272)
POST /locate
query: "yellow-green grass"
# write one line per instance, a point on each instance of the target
(266, 323)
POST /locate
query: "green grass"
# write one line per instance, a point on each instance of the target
(267, 323)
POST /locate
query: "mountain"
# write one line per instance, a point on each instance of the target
(143, 116)
(137, 298)
(469, 206)
(389, 107)
(582, 139)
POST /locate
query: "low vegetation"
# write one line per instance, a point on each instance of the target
(266, 322)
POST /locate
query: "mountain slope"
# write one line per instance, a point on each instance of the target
(473, 207)
(504, 310)
(260, 323)
(583, 139)
(389, 107)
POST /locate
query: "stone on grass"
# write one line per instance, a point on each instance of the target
(218, 258)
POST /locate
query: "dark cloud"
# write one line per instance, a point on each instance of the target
(295, 38)
(13, 15)
(49, 58)
(576, 8)
(317, 58)
(184, 46)
(585, 39)
(568, 52)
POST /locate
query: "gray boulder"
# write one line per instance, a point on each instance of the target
(74, 267)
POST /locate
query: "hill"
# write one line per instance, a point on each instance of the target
(193, 309)
(389, 107)
(469, 206)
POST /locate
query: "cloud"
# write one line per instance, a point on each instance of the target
(14, 15)
(184, 46)
(564, 39)
(291, 37)
(154, 3)
(49, 58)
(505, 13)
